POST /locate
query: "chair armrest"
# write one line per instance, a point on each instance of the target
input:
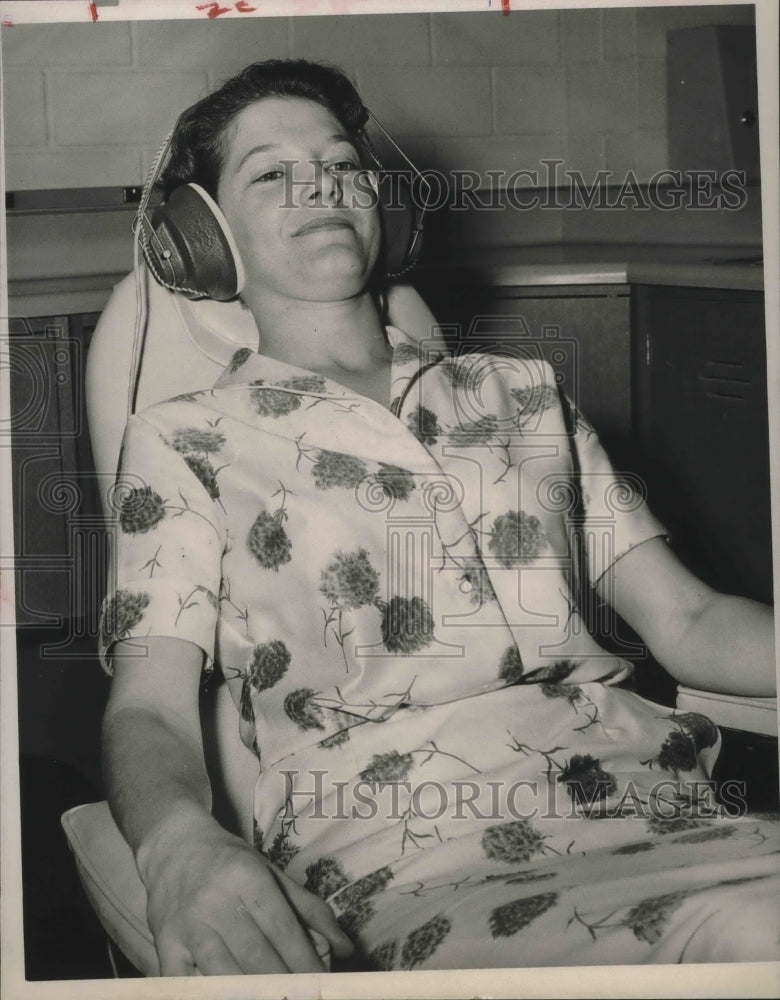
(107, 870)
(752, 715)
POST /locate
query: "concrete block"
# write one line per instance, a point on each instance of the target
(602, 97)
(488, 38)
(586, 154)
(125, 108)
(363, 40)
(34, 168)
(225, 44)
(619, 33)
(431, 102)
(530, 99)
(581, 36)
(505, 154)
(23, 108)
(75, 44)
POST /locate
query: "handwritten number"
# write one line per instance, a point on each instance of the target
(214, 10)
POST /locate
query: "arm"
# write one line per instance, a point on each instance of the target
(213, 901)
(703, 638)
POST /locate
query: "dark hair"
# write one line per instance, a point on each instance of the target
(197, 148)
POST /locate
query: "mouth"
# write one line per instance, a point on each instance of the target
(317, 225)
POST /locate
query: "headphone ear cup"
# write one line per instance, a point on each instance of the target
(190, 248)
(401, 222)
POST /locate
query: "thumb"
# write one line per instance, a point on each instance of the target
(317, 915)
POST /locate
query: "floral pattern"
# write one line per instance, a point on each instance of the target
(142, 509)
(380, 635)
(272, 402)
(349, 581)
(648, 919)
(121, 615)
(532, 401)
(512, 842)
(354, 904)
(383, 957)
(334, 469)
(240, 358)
(186, 439)
(268, 541)
(391, 766)
(701, 730)
(475, 581)
(516, 538)
(268, 665)
(300, 707)
(407, 625)
(422, 942)
(325, 877)
(586, 780)
(205, 472)
(397, 483)
(479, 431)
(424, 424)
(282, 850)
(511, 667)
(512, 917)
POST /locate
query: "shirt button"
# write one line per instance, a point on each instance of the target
(466, 586)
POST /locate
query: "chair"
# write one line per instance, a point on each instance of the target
(187, 346)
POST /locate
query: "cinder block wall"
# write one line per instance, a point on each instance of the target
(87, 105)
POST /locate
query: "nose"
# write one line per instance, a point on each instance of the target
(327, 188)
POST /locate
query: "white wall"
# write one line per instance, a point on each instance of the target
(87, 105)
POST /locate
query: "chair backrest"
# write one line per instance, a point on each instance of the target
(186, 347)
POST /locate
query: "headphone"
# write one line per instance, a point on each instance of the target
(189, 248)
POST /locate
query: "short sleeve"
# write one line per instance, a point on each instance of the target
(169, 539)
(613, 513)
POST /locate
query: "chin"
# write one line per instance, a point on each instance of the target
(336, 281)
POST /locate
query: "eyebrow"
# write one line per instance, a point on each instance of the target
(266, 147)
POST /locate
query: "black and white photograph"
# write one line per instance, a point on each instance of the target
(389, 462)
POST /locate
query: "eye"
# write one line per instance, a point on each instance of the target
(344, 166)
(269, 175)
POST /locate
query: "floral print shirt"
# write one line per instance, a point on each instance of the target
(339, 560)
(397, 601)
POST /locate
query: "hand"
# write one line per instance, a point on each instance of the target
(215, 905)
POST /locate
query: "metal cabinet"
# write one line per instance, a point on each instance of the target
(702, 431)
(57, 520)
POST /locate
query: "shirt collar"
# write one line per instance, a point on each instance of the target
(248, 367)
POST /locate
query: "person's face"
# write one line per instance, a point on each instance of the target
(311, 239)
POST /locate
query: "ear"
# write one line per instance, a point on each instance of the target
(190, 247)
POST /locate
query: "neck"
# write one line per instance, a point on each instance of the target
(345, 335)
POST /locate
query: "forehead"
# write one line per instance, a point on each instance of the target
(278, 121)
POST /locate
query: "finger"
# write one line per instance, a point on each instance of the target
(282, 930)
(174, 958)
(213, 957)
(316, 914)
(251, 948)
